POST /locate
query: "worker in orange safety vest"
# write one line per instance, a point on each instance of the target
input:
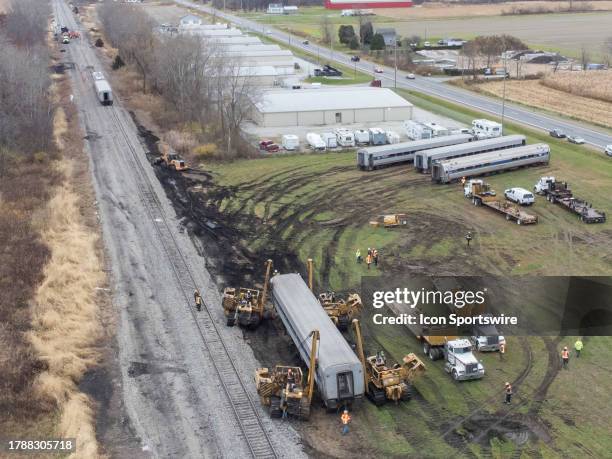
(565, 357)
(345, 418)
(502, 350)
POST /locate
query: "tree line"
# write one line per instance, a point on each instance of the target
(196, 79)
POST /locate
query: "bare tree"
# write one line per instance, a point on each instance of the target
(327, 32)
(607, 51)
(26, 22)
(585, 57)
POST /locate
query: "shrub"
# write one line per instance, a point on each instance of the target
(354, 43)
(378, 42)
(118, 63)
(205, 150)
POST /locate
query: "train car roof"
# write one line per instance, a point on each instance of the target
(501, 141)
(508, 153)
(423, 144)
(305, 313)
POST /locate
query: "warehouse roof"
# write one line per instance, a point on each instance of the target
(305, 100)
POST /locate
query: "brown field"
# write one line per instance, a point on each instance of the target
(595, 85)
(453, 10)
(535, 94)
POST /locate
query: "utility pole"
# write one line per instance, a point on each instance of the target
(504, 89)
(395, 63)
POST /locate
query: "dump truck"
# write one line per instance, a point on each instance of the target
(482, 194)
(284, 388)
(390, 220)
(169, 158)
(382, 382)
(559, 193)
(246, 305)
(339, 310)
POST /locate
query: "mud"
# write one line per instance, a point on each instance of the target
(223, 237)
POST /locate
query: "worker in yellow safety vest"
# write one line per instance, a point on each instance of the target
(345, 418)
(578, 347)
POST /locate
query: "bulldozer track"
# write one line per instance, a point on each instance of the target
(244, 409)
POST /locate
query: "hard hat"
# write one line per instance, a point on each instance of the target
(565, 348)
(346, 411)
(507, 384)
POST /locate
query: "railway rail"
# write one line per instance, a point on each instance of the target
(245, 410)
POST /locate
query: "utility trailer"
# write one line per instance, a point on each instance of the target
(559, 193)
(481, 194)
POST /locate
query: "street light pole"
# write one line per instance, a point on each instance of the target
(504, 92)
(395, 63)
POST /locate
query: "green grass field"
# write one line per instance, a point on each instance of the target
(319, 205)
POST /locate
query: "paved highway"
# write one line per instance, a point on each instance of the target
(429, 86)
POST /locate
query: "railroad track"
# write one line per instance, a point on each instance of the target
(245, 410)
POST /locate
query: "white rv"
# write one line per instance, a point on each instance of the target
(362, 137)
(344, 137)
(330, 139)
(486, 129)
(290, 142)
(315, 141)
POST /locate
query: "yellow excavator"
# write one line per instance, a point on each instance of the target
(390, 220)
(283, 389)
(170, 159)
(246, 305)
(339, 310)
(382, 382)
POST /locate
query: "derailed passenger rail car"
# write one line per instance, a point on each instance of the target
(339, 373)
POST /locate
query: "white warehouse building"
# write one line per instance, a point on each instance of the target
(326, 106)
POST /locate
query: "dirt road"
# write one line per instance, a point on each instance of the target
(185, 378)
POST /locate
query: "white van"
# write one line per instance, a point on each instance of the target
(290, 142)
(520, 196)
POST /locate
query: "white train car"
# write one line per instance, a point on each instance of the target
(339, 373)
(424, 159)
(486, 163)
(104, 93)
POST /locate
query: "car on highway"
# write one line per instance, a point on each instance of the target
(305, 42)
(608, 150)
(557, 133)
(355, 58)
(575, 139)
(410, 76)
(426, 44)
(378, 70)
(268, 32)
(65, 39)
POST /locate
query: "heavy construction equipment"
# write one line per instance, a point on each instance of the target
(284, 388)
(559, 193)
(246, 305)
(482, 194)
(390, 220)
(339, 310)
(387, 383)
(169, 158)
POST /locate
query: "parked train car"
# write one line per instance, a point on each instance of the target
(339, 374)
(389, 155)
(424, 159)
(103, 90)
(496, 161)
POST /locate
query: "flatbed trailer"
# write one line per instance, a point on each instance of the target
(481, 194)
(560, 193)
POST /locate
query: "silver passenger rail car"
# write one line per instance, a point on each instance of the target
(339, 373)
(104, 93)
(371, 158)
(424, 159)
(486, 163)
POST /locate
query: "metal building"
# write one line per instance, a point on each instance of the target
(326, 106)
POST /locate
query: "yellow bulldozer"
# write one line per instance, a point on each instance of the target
(170, 158)
(390, 220)
(246, 305)
(382, 382)
(284, 389)
(339, 310)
